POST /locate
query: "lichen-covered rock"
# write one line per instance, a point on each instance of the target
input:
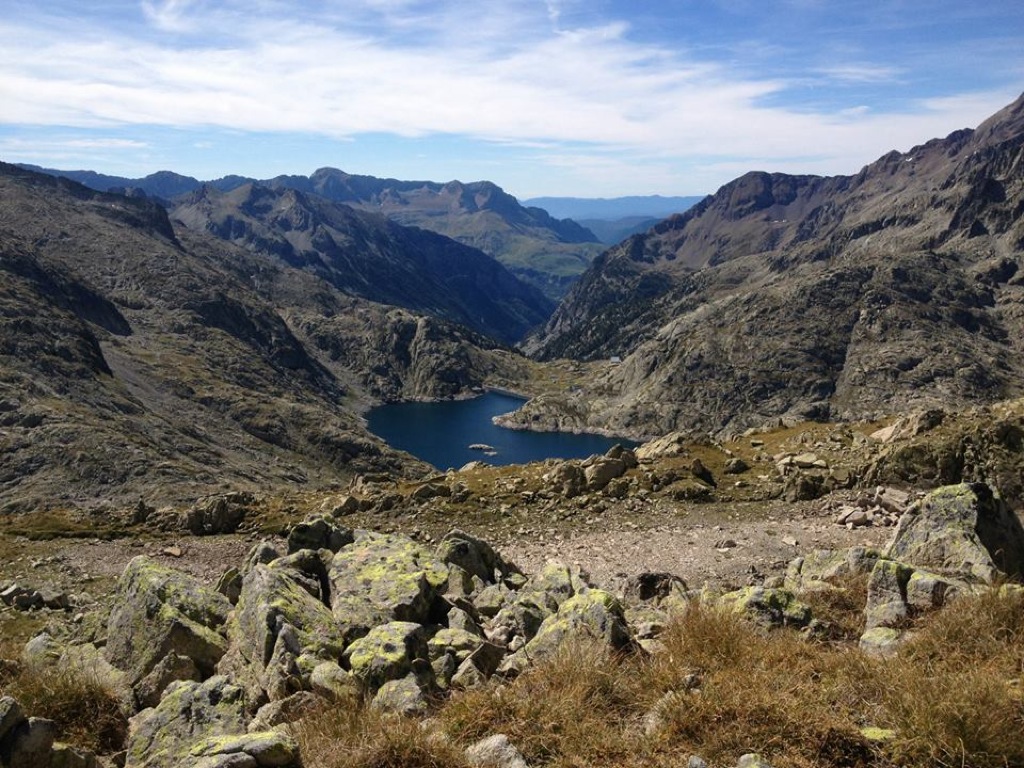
(318, 533)
(280, 618)
(221, 513)
(382, 578)
(591, 613)
(898, 592)
(388, 652)
(333, 683)
(288, 710)
(769, 607)
(171, 668)
(450, 648)
(157, 611)
(962, 529)
(887, 590)
(189, 712)
(269, 749)
(821, 568)
(473, 555)
(406, 696)
(880, 641)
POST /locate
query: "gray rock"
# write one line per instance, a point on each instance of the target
(382, 578)
(495, 752)
(222, 513)
(388, 652)
(67, 756)
(408, 695)
(768, 606)
(268, 749)
(333, 683)
(753, 760)
(318, 533)
(11, 715)
(29, 743)
(171, 668)
(279, 619)
(962, 529)
(473, 555)
(284, 711)
(189, 712)
(602, 471)
(158, 611)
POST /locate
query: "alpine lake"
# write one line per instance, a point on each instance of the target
(442, 433)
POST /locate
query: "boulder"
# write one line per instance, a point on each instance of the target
(171, 668)
(66, 756)
(591, 613)
(163, 737)
(158, 611)
(29, 743)
(222, 513)
(284, 711)
(388, 652)
(821, 568)
(602, 471)
(280, 618)
(567, 478)
(318, 533)
(767, 606)
(268, 749)
(473, 555)
(962, 529)
(495, 752)
(382, 578)
(11, 716)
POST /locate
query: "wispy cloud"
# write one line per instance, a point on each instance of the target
(577, 91)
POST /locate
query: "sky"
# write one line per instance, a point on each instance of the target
(585, 98)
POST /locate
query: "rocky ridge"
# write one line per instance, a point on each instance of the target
(802, 297)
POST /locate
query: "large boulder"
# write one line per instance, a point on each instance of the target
(381, 578)
(163, 737)
(388, 652)
(961, 529)
(822, 569)
(282, 626)
(768, 607)
(158, 611)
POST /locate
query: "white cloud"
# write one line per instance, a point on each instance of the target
(487, 70)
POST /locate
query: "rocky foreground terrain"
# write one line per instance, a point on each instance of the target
(223, 626)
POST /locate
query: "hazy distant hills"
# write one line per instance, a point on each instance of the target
(614, 219)
(802, 296)
(544, 251)
(143, 359)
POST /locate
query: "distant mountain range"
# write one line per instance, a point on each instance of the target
(544, 251)
(802, 297)
(614, 219)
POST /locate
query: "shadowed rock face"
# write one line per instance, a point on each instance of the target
(369, 256)
(813, 297)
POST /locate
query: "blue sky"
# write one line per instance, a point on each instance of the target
(591, 98)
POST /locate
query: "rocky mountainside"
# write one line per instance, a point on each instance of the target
(546, 252)
(809, 297)
(140, 359)
(369, 256)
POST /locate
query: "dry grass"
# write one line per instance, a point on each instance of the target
(87, 713)
(360, 737)
(722, 688)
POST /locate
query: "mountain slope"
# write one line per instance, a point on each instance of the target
(802, 296)
(546, 252)
(143, 360)
(369, 256)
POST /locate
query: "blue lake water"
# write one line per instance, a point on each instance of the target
(441, 433)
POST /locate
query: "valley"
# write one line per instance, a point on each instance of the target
(823, 377)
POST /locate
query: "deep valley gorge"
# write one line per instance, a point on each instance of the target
(825, 376)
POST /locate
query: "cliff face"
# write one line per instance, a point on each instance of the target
(802, 296)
